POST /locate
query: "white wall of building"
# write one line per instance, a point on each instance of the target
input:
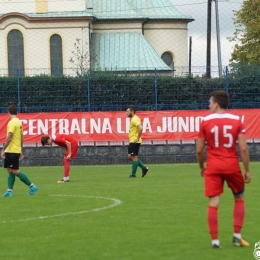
(36, 36)
(20, 6)
(39, 6)
(168, 37)
(117, 26)
(66, 6)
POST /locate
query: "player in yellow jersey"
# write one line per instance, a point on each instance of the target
(12, 153)
(135, 141)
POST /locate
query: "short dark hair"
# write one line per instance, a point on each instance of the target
(44, 140)
(132, 108)
(12, 109)
(220, 97)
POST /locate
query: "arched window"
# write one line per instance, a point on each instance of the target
(15, 53)
(56, 55)
(168, 59)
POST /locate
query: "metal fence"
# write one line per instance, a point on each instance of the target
(110, 91)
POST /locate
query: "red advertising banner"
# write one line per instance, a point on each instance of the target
(114, 126)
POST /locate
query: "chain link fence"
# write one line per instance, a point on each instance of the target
(110, 91)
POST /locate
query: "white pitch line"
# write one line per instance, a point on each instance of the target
(115, 203)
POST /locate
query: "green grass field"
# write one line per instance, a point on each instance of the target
(102, 214)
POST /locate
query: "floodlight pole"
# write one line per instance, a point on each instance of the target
(208, 54)
(218, 40)
(190, 51)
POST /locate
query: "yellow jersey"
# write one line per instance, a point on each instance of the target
(15, 126)
(133, 131)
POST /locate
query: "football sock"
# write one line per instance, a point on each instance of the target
(11, 180)
(140, 164)
(24, 178)
(238, 214)
(213, 222)
(66, 164)
(134, 167)
(237, 235)
(215, 242)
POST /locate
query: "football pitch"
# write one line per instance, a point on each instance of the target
(102, 214)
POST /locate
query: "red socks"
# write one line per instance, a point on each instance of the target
(66, 163)
(238, 214)
(213, 222)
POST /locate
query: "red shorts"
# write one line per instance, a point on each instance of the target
(74, 150)
(214, 183)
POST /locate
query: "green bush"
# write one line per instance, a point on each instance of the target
(109, 91)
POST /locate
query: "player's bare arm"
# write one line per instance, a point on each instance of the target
(7, 142)
(200, 154)
(244, 156)
(140, 131)
(21, 155)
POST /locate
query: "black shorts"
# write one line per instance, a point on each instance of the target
(12, 161)
(133, 148)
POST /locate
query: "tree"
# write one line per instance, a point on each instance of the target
(80, 58)
(247, 34)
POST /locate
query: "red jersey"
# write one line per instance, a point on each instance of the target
(221, 134)
(60, 139)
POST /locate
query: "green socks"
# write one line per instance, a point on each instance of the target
(11, 180)
(134, 167)
(24, 178)
(141, 164)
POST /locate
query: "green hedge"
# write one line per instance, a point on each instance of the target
(113, 92)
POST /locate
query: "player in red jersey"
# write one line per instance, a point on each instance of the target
(70, 146)
(220, 131)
